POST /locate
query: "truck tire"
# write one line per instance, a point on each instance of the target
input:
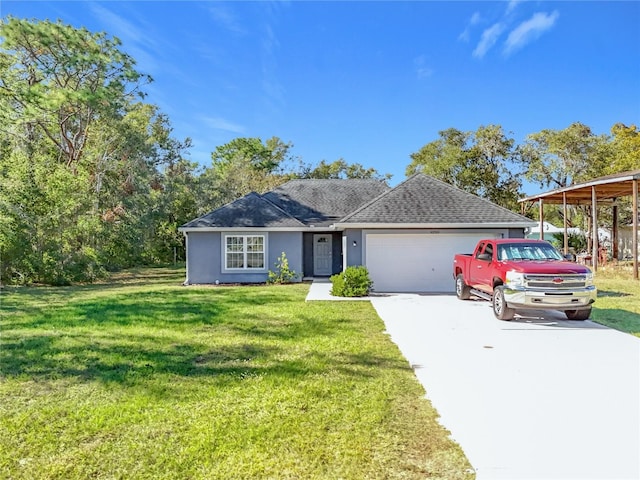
(463, 291)
(500, 308)
(578, 314)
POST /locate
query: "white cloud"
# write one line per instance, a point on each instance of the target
(474, 20)
(224, 17)
(488, 39)
(218, 123)
(511, 6)
(422, 68)
(529, 31)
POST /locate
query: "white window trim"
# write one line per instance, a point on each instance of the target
(244, 269)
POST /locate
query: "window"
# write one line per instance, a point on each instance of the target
(244, 252)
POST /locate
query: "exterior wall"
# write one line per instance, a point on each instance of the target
(352, 253)
(516, 233)
(205, 257)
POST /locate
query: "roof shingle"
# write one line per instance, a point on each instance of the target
(252, 210)
(425, 200)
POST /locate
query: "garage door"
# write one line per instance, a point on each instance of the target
(415, 262)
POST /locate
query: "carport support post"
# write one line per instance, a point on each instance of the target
(594, 229)
(635, 229)
(541, 208)
(564, 214)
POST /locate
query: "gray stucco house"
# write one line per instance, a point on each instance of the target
(406, 236)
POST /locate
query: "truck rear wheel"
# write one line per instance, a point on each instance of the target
(578, 314)
(500, 308)
(463, 291)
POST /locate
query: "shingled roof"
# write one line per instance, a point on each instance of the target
(424, 200)
(321, 202)
(297, 203)
(252, 210)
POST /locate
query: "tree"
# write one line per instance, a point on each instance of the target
(626, 148)
(479, 162)
(59, 80)
(241, 166)
(560, 158)
(83, 164)
(340, 169)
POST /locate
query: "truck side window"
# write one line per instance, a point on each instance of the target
(489, 249)
(479, 250)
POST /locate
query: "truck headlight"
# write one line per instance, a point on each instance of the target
(588, 279)
(515, 279)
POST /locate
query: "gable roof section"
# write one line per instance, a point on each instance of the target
(426, 201)
(320, 202)
(250, 211)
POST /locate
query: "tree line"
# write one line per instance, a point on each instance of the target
(93, 180)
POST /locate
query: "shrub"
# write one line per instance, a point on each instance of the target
(353, 282)
(283, 273)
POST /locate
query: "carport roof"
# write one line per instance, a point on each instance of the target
(606, 188)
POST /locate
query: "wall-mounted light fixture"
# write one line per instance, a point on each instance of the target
(355, 244)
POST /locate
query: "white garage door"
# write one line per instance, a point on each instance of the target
(416, 262)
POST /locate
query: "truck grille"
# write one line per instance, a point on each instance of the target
(555, 282)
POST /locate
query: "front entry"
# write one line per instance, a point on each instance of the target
(322, 260)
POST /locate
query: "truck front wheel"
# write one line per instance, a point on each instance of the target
(463, 291)
(500, 308)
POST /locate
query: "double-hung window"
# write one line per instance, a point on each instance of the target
(244, 252)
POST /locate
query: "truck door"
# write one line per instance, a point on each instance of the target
(481, 267)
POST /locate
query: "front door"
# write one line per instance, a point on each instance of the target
(322, 260)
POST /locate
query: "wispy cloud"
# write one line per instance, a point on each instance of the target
(488, 40)
(529, 31)
(135, 38)
(511, 6)
(423, 70)
(225, 17)
(218, 123)
(474, 20)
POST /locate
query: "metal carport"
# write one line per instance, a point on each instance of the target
(599, 190)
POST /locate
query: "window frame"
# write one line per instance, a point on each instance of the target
(244, 251)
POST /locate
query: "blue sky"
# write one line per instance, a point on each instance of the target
(371, 82)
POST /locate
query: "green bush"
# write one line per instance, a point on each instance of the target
(283, 273)
(353, 282)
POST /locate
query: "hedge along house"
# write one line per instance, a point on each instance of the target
(406, 236)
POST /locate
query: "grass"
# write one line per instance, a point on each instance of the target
(618, 304)
(141, 378)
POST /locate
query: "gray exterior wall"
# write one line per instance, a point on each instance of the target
(353, 254)
(205, 263)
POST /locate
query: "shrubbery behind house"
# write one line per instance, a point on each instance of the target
(353, 282)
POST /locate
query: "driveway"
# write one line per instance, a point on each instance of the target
(539, 397)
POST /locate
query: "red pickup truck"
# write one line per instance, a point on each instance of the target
(524, 274)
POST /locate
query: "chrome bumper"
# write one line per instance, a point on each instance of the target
(561, 300)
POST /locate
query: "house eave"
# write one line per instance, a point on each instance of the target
(438, 226)
(255, 229)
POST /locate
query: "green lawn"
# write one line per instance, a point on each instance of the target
(618, 304)
(141, 378)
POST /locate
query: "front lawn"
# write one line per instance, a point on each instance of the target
(618, 304)
(141, 378)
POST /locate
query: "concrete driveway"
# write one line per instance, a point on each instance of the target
(539, 397)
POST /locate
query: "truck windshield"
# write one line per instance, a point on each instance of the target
(528, 251)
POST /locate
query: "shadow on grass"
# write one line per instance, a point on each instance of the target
(623, 320)
(612, 294)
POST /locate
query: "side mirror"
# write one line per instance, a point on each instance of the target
(570, 257)
(486, 257)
